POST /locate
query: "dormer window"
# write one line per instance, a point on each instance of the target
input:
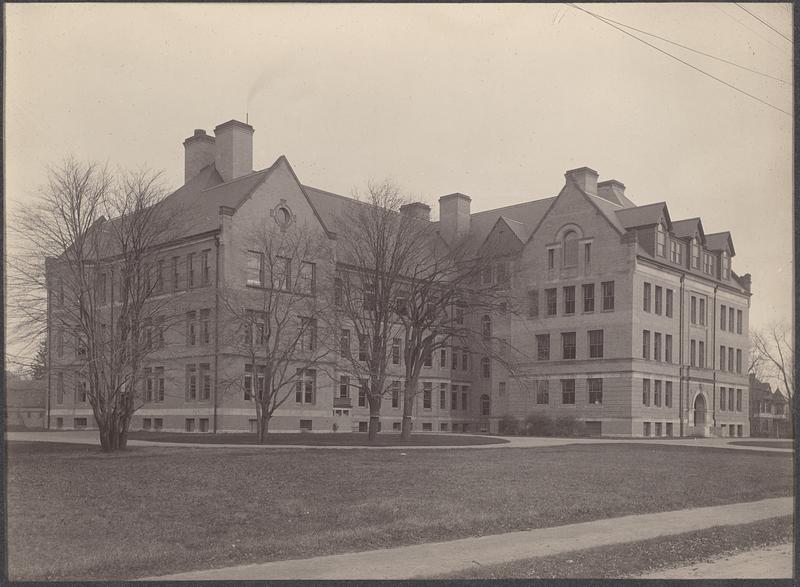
(695, 254)
(725, 265)
(676, 251)
(708, 264)
(661, 241)
(570, 248)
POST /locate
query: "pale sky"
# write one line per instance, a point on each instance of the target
(495, 101)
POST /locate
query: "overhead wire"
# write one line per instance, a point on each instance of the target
(762, 21)
(668, 54)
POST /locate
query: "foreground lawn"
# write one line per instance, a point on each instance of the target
(638, 558)
(767, 443)
(76, 513)
(319, 439)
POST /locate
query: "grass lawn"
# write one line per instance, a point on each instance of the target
(629, 560)
(319, 439)
(76, 513)
(767, 443)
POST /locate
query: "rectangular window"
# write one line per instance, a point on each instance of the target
(443, 358)
(645, 392)
(646, 297)
(464, 359)
(588, 297)
(533, 303)
(693, 315)
(587, 253)
(657, 393)
(190, 270)
(486, 367)
(730, 319)
(738, 321)
(595, 387)
(551, 297)
(542, 392)
(658, 428)
(676, 251)
(702, 312)
(205, 381)
(363, 347)
(658, 300)
(427, 395)
(722, 398)
(568, 345)
(176, 276)
(646, 428)
(595, 344)
(308, 334)
(551, 258)
(281, 273)
(454, 397)
(543, 347)
(739, 361)
(661, 241)
(730, 399)
(569, 299)
(668, 395)
(247, 383)
(305, 386)
(148, 385)
(205, 326)
(668, 348)
(362, 393)
(395, 350)
(464, 398)
(442, 396)
(645, 344)
(306, 278)
(159, 391)
(657, 346)
(568, 391)
(730, 359)
(669, 428)
(722, 355)
(695, 254)
(191, 328)
(338, 292)
(344, 386)
(723, 314)
(205, 271)
(701, 354)
(306, 425)
(191, 383)
(189, 424)
(146, 423)
(203, 424)
(668, 309)
(344, 343)
(608, 295)
(738, 400)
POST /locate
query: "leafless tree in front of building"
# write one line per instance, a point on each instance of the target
(273, 320)
(773, 349)
(89, 281)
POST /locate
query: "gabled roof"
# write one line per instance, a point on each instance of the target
(687, 228)
(647, 215)
(719, 241)
(607, 209)
(527, 213)
(521, 231)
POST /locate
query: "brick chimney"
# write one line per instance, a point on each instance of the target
(416, 210)
(234, 152)
(454, 218)
(612, 190)
(199, 152)
(747, 281)
(585, 178)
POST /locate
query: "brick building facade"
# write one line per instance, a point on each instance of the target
(633, 322)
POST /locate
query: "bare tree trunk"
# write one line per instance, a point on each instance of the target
(374, 423)
(263, 429)
(408, 408)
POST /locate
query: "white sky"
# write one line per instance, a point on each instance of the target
(495, 101)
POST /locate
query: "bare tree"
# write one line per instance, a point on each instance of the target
(98, 280)
(274, 321)
(375, 248)
(774, 352)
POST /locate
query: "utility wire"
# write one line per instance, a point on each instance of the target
(762, 21)
(660, 50)
(755, 32)
(627, 26)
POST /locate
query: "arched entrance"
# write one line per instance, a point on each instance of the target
(699, 412)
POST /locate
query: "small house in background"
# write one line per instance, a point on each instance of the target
(25, 403)
(769, 411)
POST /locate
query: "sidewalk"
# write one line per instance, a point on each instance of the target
(426, 560)
(91, 437)
(774, 562)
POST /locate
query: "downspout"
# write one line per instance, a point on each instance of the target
(714, 359)
(681, 368)
(216, 328)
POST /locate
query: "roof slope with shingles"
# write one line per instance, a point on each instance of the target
(687, 227)
(641, 215)
(719, 241)
(527, 214)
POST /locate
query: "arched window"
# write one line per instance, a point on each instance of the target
(570, 248)
(661, 241)
(486, 367)
(724, 264)
(486, 323)
(486, 405)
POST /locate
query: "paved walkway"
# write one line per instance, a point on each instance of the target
(91, 437)
(426, 560)
(774, 562)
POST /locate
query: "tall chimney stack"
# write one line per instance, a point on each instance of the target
(234, 152)
(454, 218)
(198, 152)
(585, 178)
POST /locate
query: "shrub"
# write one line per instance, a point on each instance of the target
(509, 425)
(569, 426)
(537, 424)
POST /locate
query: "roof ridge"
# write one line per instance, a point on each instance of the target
(512, 205)
(241, 177)
(605, 200)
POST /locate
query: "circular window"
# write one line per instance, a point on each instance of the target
(282, 215)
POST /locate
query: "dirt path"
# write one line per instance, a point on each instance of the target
(774, 562)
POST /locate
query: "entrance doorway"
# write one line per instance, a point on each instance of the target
(700, 410)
